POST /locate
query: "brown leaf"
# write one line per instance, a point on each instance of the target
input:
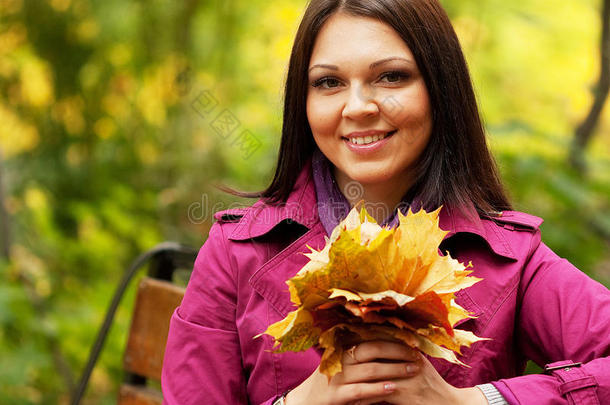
(374, 283)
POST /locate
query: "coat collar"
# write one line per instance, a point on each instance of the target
(468, 221)
(301, 207)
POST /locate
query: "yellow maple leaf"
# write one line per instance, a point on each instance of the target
(371, 283)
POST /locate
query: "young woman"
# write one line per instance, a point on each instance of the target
(379, 106)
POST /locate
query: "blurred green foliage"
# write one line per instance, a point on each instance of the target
(107, 148)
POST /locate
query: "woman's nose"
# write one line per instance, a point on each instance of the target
(360, 104)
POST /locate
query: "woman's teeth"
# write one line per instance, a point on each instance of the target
(363, 140)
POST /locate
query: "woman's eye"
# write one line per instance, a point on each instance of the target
(327, 83)
(393, 77)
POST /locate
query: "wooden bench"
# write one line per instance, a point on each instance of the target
(156, 300)
(157, 297)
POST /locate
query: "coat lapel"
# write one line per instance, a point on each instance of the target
(270, 280)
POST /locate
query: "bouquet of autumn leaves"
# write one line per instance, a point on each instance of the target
(375, 283)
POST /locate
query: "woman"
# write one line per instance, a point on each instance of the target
(379, 106)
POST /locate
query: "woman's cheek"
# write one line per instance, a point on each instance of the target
(323, 116)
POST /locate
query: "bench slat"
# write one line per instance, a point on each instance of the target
(155, 302)
(134, 395)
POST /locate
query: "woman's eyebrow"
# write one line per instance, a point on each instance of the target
(332, 67)
(371, 66)
(382, 61)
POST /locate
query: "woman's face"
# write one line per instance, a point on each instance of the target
(364, 85)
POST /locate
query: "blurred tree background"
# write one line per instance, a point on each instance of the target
(108, 146)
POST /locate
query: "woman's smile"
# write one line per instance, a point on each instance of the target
(367, 141)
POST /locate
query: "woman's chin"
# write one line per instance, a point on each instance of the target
(371, 177)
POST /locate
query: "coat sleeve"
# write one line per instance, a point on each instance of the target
(202, 363)
(564, 318)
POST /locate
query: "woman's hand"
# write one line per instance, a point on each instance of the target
(428, 387)
(367, 376)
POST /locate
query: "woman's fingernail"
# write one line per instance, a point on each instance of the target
(411, 368)
(389, 386)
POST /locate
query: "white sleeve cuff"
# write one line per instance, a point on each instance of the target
(492, 394)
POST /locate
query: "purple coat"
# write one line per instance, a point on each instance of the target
(531, 303)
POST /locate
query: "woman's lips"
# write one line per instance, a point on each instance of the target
(369, 147)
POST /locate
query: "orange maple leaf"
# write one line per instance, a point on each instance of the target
(371, 283)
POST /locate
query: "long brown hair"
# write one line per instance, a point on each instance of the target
(456, 167)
